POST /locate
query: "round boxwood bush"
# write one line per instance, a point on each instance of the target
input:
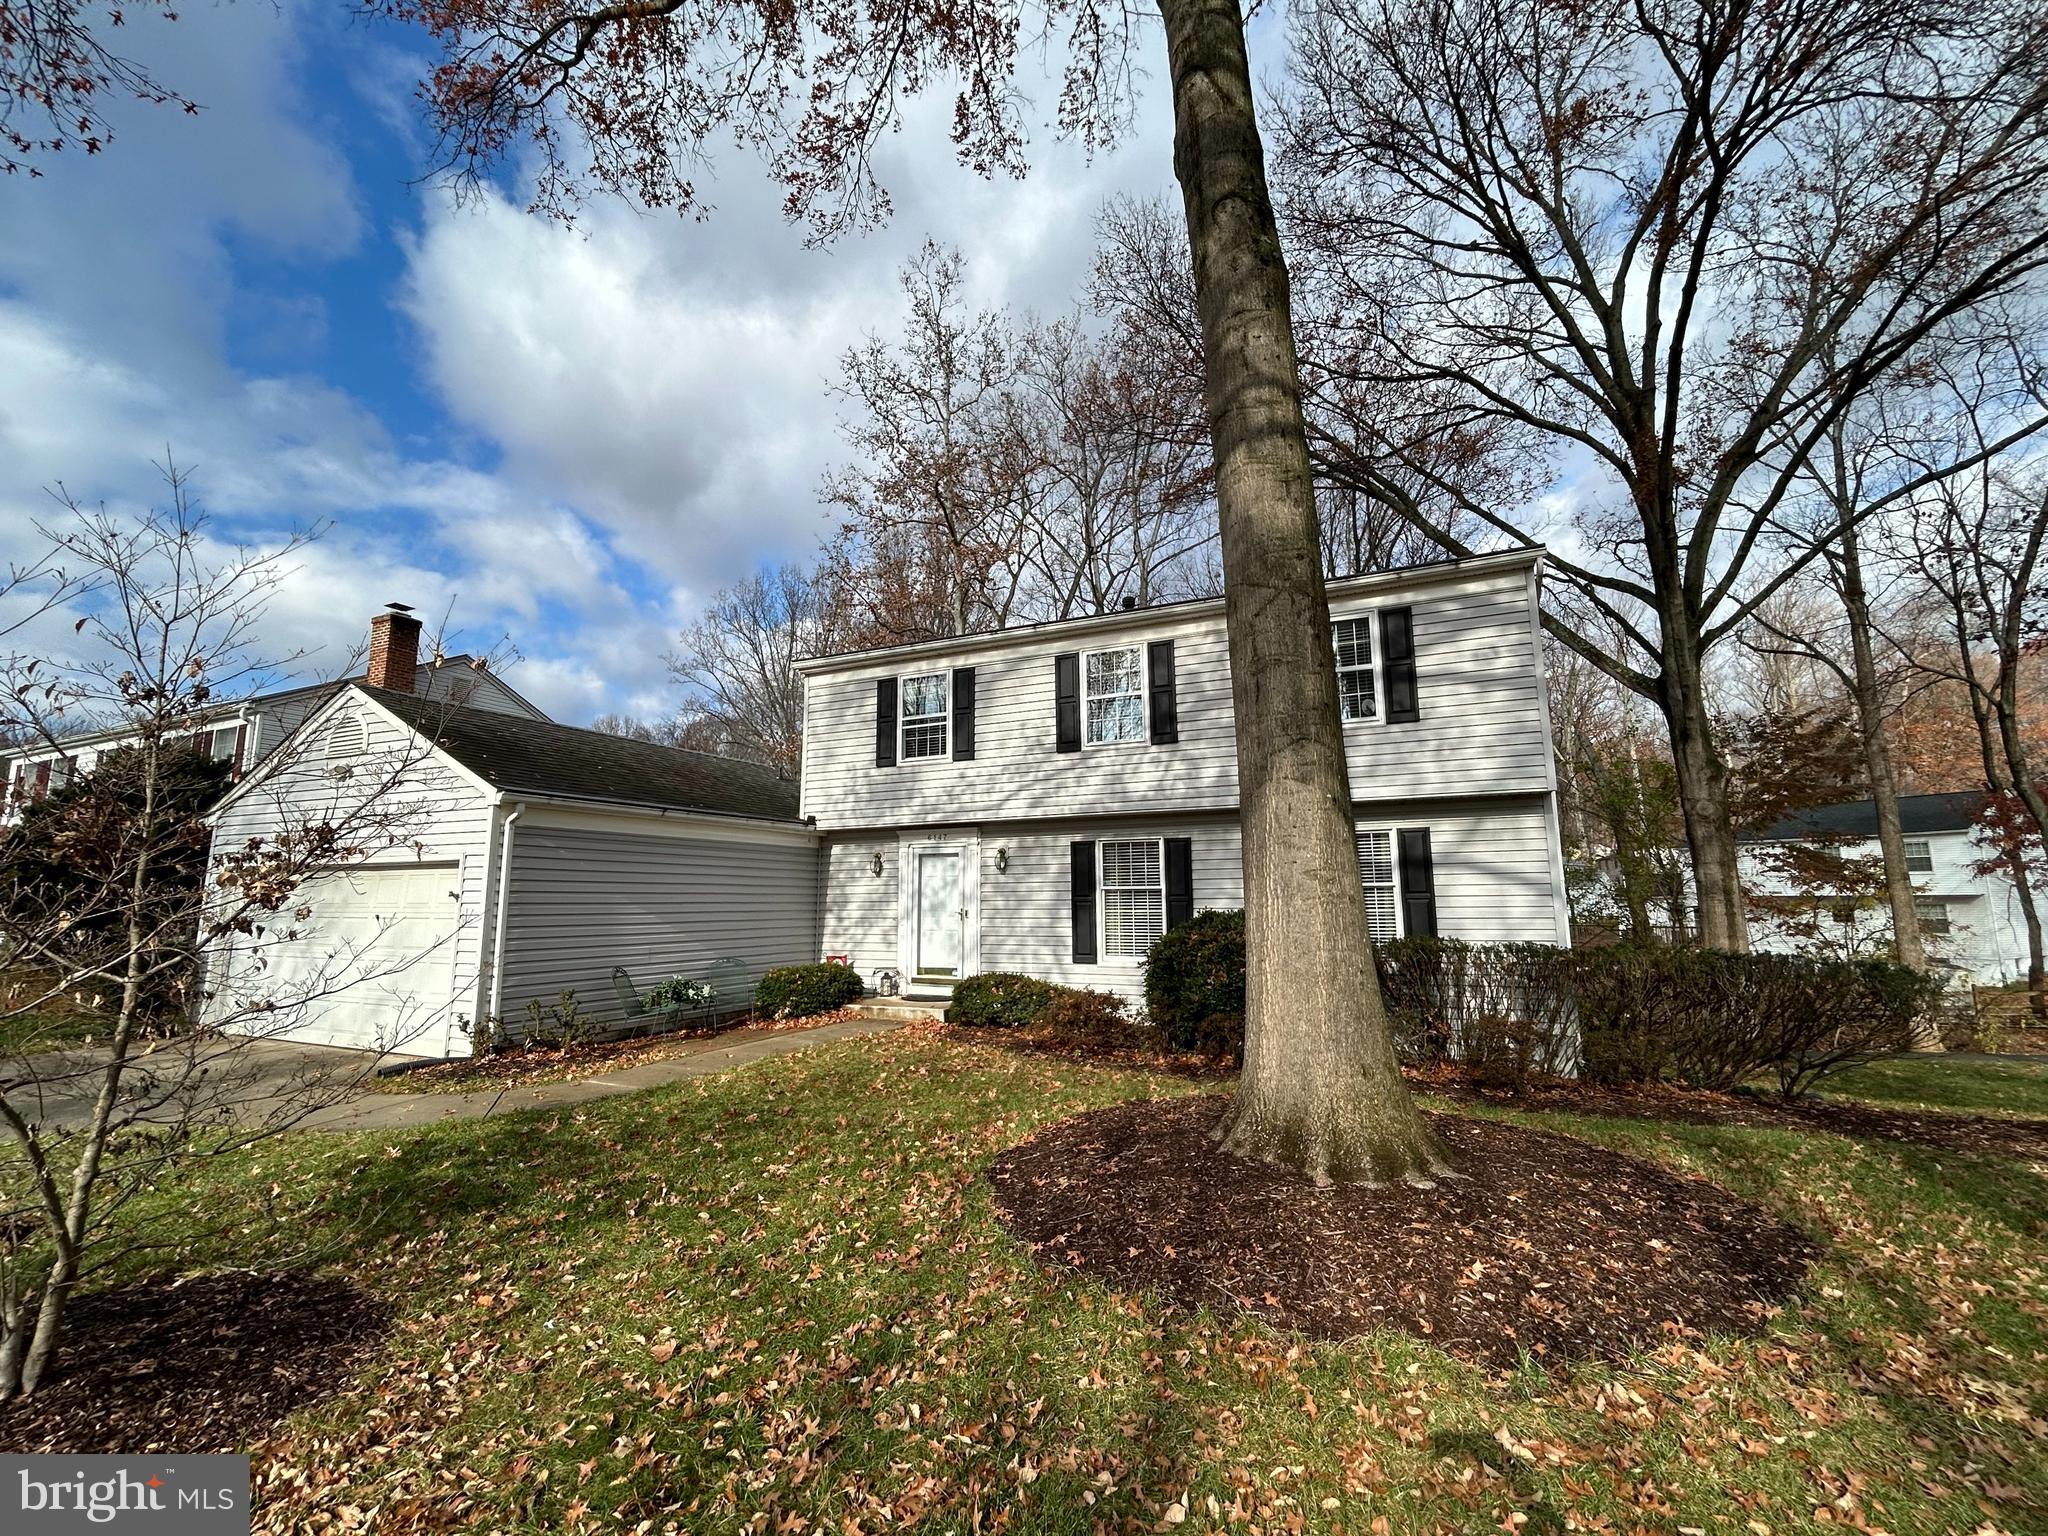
(1194, 982)
(800, 991)
(1000, 999)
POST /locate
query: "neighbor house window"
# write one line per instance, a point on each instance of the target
(1919, 856)
(1382, 888)
(1114, 690)
(1133, 897)
(1933, 915)
(1356, 699)
(924, 715)
(221, 746)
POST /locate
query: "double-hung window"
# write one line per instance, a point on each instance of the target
(1357, 695)
(1113, 693)
(1933, 915)
(1919, 856)
(925, 700)
(1377, 873)
(1133, 876)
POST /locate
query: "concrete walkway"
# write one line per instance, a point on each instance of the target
(398, 1111)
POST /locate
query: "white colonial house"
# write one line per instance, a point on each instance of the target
(1050, 799)
(1971, 921)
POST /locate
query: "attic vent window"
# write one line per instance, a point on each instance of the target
(347, 738)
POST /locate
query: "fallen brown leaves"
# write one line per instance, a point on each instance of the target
(1540, 1245)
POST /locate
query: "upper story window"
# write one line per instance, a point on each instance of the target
(925, 699)
(1357, 695)
(1113, 692)
(1133, 897)
(1919, 856)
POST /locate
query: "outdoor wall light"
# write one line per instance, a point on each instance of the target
(875, 865)
(1002, 861)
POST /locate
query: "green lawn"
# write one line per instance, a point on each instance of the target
(777, 1302)
(32, 1032)
(1938, 1082)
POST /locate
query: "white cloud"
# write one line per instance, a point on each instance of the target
(644, 399)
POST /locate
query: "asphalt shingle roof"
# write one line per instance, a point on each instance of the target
(539, 757)
(1952, 812)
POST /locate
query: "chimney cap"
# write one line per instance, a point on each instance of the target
(399, 607)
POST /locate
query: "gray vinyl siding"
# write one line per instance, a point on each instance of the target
(583, 900)
(434, 814)
(1495, 866)
(1480, 685)
(860, 906)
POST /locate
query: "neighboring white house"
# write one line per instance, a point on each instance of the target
(245, 732)
(1050, 799)
(532, 858)
(1970, 921)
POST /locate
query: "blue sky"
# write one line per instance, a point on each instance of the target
(574, 438)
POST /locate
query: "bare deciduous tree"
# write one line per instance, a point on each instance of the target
(164, 636)
(1672, 245)
(933, 541)
(738, 662)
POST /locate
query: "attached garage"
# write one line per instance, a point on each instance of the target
(373, 968)
(514, 860)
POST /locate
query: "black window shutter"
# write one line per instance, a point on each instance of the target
(885, 722)
(1084, 902)
(1397, 650)
(1165, 706)
(963, 714)
(1418, 884)
(1180, 880)
(1066, 689)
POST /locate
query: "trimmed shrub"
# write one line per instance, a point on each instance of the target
(1504, 1011)
(1874, 1018)
(1194, 984)
(802, 991)
(1704, 1018)
(1627, 1014)
(999, 1000)
(1086, 1015)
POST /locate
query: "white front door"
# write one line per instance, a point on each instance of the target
(941, 912)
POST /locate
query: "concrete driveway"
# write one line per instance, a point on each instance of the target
(272, 1085)
(269, 1083)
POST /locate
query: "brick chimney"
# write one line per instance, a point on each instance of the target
(394, 649)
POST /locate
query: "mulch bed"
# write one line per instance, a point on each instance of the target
(1545, 1244)
(519, 1067)
(207, 1364)
(1947, 1131)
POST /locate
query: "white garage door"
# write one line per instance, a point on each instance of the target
(373, 967)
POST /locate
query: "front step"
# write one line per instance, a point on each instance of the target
(898, 1009)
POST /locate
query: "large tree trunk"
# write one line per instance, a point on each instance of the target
(1321, 1090)
(1702, 793)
